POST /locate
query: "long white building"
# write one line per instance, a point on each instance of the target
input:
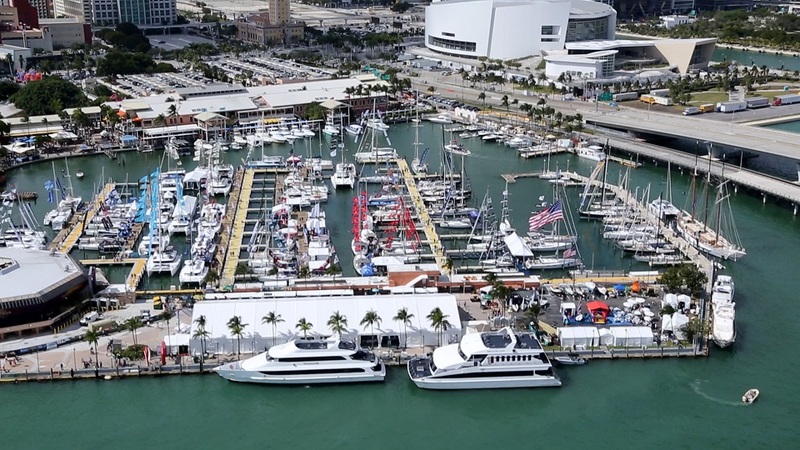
(510, 29)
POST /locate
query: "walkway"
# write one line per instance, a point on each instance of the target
(422, 212)
(777, 187)
(135, 275)
(237, 230)
(77, 230)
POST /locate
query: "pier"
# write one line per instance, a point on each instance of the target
(512, 177)
(235, 223)
(137, 268)
(65, 242)
(422, 212)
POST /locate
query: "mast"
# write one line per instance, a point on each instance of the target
(718, 204)
(693, 195)
(707, 189)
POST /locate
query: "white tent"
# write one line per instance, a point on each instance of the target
(317, 310)
(632, 336)
(584, 337)
(173, 341)
(516, 246)
(606, 337)
(674, 323)
(671, 300)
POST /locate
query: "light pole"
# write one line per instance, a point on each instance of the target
(732, 116)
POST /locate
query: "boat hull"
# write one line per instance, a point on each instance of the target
(231, 372)
(485, 383)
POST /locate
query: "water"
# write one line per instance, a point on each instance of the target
(683, 403)
(748, 58)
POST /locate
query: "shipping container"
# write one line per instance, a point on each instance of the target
(731, 107)
(786, 99)
(647, 99)
(626, 96)
(666, 101)
(692, 110)
(708, 107)
(757, 102)
(660, 92)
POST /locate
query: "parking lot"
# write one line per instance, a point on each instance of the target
(269, 67)
(177, 41)
(143, 85)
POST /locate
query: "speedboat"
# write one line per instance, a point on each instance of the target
(440, 119)
(354, 129)
(750, 396)
(571, 359)
(490, 360)
(344, 176)
(307, 362)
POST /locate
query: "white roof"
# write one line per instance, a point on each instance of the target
(317, 310)
(283, 95)
(174, 340)
(516, 246)
(33, 272)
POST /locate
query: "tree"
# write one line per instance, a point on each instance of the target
(133, 324)
(439, 322)
(314, 111)
(532, 313)
(431, 89)
(500, 292)
(693, 278)
(236, 328)
(448, 266)
(337, 323)
(159, 121)
(164, 317)
(695, 327)
(272, 319)
(404, 317)
(304, 326)
(371, 318)
(92, 337)
(202, 334)
(482, 98)
(39, 98)
(504, 102)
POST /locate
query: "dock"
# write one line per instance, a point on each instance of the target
(233, 245)
(422, 212)
(535, 153)
(71, 238)
(511, 178)
(137, 268)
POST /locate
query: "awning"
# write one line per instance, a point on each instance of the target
(63, 135)
(596, 305)
(516, 246)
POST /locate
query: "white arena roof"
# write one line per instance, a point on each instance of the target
(318, 310)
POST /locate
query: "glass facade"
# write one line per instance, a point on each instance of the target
(587, 30)
(451, 44)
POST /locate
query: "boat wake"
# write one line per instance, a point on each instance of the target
(696, 389)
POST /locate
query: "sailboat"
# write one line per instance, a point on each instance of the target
(67, 202)
(344, 175)
(557, 212)
(418, 164)
(721, 238)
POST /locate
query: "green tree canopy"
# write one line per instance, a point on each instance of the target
(7, 89)
(42, 97)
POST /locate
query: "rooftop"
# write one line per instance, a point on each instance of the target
(31, 273)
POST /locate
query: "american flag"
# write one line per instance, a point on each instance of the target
(546, 216)
(570, 252)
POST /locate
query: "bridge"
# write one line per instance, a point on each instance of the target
(729, 134)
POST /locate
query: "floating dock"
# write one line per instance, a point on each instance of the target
(135, 275)
(422, 212)
(236, 228)
(71, 238)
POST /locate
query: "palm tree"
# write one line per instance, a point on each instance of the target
(504, 102)
(371, 318)
(202, 334)
(448, 266)
(432, 89)
(92, 337)
(337, 323)
(482, 98)
(164, 317)
(439, 322)
(272, 319)
(236, 327)
(159, 121)
(304, 326)
(404, 317)
(172, 112)
(133, 324)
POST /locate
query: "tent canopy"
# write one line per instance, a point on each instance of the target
(516, 246)
(597, 305)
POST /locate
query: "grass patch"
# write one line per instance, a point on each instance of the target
(701, 98)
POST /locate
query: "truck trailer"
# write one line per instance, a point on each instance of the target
(757, 102)
(621, 97)
(786, 99)
(731, 107)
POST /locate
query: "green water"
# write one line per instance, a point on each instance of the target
(608, 405)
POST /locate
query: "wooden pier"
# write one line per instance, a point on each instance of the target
(138, 266)
(65, 242)
(235, 228)
(511, 178)
(541, 152)
(422, 211)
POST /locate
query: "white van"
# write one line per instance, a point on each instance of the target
(89, 318)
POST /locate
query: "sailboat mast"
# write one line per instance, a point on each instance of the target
(708, 189)
(718, 205)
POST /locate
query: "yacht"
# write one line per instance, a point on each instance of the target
(723, 289)
(344, 176)
(193, 272)
(663, 209)
(723, 330)
(502, 359)
(354, 129)
(377, 124)
(163, 261)
(307, 362)
(440, 119)
(591, 152)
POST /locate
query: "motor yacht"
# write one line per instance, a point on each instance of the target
(164, 260)
(591, 152)
(440, 119)
(344, 176)
(491, 360)
(193, 272)
(723, 329)
(307, 362)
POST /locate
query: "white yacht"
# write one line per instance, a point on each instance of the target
(307, 362)
(441, 119)
(502, 359)
(193, 272)
(723, 289)
(591, 152)
(663, 209)
(344, 176)
(354, 129)
(724, 324)
(164, 261)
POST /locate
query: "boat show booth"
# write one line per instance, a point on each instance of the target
(317, 307)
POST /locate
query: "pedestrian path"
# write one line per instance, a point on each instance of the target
(422, 212)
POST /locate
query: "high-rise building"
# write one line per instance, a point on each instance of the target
(26, 12)
(73, 8)
(113, 12)
(278, 11)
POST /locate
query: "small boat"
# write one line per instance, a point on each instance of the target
(79, 174)
(570, 360)
(750, 396)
